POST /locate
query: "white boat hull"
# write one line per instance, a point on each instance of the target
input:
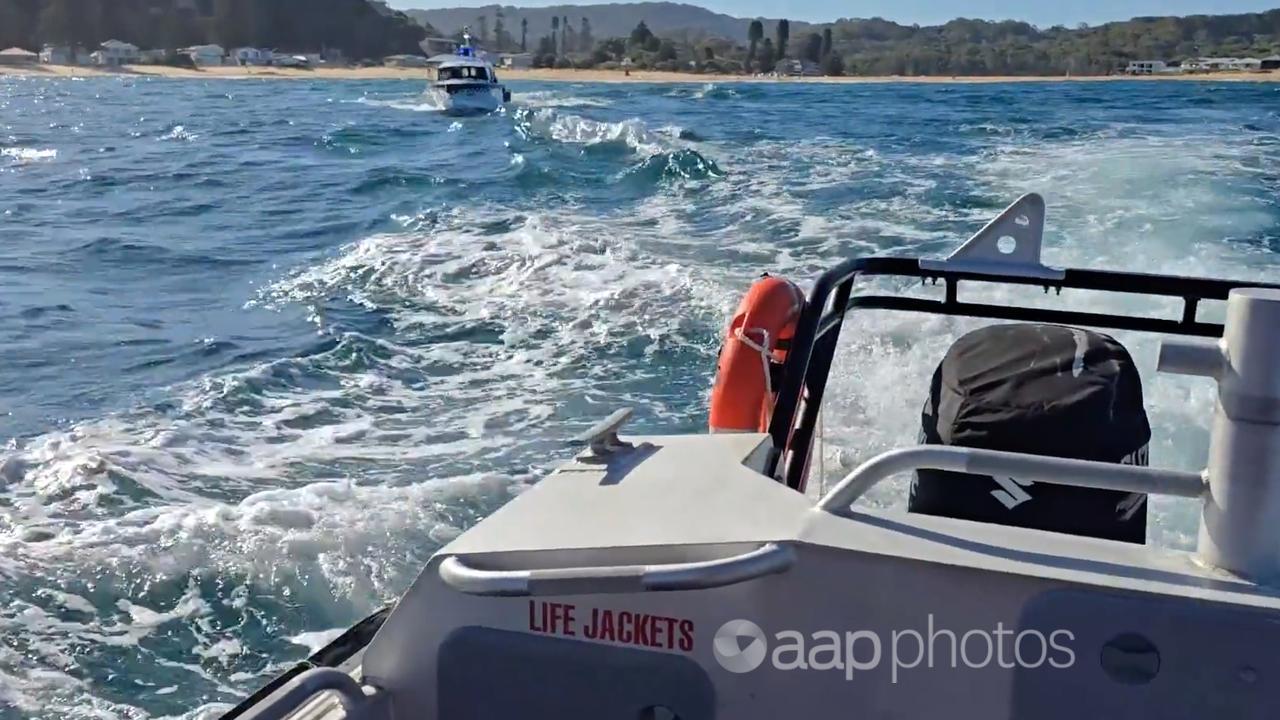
(469, 101)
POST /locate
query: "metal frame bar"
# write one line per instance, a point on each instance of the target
(768, 559)
(808, 364)
(301, 689)
(1052, 470)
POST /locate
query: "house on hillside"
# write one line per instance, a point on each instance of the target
(205, 55)
(114, 53)
(18, 56)
(250, 56)
(1270, 63)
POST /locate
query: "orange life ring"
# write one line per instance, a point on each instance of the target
(760, 333)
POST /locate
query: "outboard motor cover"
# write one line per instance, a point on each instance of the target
(1041, 390)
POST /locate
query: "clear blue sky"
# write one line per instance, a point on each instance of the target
(931, 12)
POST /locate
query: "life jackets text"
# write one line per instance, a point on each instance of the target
(609, 625)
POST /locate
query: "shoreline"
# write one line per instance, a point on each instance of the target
(591, 76)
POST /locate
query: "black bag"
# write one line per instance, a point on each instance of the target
(1042, 390)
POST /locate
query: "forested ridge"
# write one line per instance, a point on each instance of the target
(353, 26)
(978, 47)
(870, 46)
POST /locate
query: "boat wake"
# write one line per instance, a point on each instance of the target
(508, 284)
(424, 102)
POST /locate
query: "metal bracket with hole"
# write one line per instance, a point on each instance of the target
(601, 439)
(1008, 245)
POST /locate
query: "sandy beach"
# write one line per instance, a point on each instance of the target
(592, 76)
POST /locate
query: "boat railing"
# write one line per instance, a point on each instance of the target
(290, 699)
(808, 363)
(1035, 468)
(767, 559)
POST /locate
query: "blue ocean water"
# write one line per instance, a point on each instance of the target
(265, 345)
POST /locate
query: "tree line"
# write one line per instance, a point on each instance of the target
(353, 26)
(562, 37)
(880, 47)
(980, 47)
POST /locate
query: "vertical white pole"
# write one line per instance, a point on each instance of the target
(1240, 523)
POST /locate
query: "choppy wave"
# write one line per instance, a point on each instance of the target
(633, 133)
(269, 365)
(423, 102)
(557, 99)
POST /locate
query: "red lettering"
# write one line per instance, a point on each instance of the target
(551, 618)
(671, 631)
(567, 620)
(686, 635)
(642, 630)
(656, 630)
(625, 628)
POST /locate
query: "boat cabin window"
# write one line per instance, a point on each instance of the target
(464, 73)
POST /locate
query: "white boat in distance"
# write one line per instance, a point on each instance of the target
(465, 82)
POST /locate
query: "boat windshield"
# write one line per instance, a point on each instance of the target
(466, 72)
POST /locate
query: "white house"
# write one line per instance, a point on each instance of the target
(250, 56)
(1221, 63)
(18, 56)
(205, 55)
(1147, 67)
(114, 53)
(517, 61)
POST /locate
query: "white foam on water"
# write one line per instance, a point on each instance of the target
(316, 641)
(249, 477)
(1142, 204)
(179, 133)
(556, 99)
(574, 129)
(324, 479)
(27, 155)
(424, 102)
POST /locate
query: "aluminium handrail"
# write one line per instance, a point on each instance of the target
(768, 559)
(1035, 468)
